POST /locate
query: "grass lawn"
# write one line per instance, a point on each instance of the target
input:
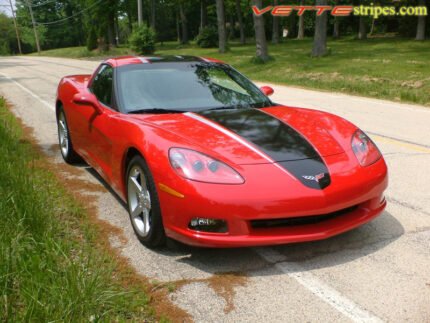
(52, 265)
(389, 68)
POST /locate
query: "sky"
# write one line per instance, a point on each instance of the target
(5, 7)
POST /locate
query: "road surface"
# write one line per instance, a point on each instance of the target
(379, 272)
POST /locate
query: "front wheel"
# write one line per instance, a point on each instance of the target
(66, 147)
(143, 204)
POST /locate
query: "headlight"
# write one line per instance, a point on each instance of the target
(364, 149)
(199, 167)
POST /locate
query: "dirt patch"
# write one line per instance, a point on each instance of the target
(55, 148)
(223, 284)
(79, 188)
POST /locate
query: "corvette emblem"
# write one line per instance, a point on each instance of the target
(315, 178)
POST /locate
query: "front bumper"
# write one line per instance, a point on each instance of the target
(271, 195)
(364, 213)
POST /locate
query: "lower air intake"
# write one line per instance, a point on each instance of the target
(299, 221)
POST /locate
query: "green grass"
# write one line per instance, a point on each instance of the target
(51, 266)
(390, 68)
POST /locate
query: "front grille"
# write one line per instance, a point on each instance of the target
(298, 221)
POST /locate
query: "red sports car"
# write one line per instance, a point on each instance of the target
(203, 156)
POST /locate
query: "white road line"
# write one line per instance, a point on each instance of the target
(326, 293)
(34, 95)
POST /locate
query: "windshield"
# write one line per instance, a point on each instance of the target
(185, 86)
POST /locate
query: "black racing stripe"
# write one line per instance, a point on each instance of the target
(277, 140)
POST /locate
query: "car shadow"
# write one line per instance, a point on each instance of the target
(344, 248)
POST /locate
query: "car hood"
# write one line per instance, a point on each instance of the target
(253, 136)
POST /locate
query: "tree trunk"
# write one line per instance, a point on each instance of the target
(153, 14)
(362, 32)
(336, 28)
(183, 18)
(129, 20)
(260, 34)
(292, 26)
(301, 32)
(110, 33)
(231, 31)
(240, 20)
(178, 29)
(320, 38)
(203, 14)
(372, 28)
(222, 36)
(116, 30)
(275, 28)
(421, 26)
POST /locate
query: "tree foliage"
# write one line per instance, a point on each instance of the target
(142, 40)
(7, 35)
(207, 38)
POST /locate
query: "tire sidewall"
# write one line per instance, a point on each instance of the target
(156, 235)
(61, 112)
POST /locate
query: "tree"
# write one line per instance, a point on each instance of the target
(301, 32)
(92, 39)
(203, 14)
(153, 5)
(275, 28)
(8, 37)
(320, 38)
(336, 25)
(421, 26)
(262, 52)
(362, 29)
(222, 35)
(240, 20)
(142, 40)
(183, 20)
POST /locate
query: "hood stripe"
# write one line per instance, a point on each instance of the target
(228, 133)
(273, 140)
(237, 138)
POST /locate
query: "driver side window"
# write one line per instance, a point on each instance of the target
(102, 85)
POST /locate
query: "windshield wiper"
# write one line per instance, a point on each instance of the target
(222, 108)
(155, 110)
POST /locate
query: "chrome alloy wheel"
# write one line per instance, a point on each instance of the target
(139, 201)
(63, 134)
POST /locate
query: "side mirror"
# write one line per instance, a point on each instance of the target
(267, 90)
(87, 99)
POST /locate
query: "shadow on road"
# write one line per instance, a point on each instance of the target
(341, 249)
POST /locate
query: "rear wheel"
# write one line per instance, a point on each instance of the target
(143, 204)
(66, 147)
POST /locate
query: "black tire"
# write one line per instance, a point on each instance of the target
(154, 236)
(70, 156)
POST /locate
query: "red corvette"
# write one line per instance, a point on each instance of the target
(203, 156)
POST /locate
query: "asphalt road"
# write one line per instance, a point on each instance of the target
(379, 272)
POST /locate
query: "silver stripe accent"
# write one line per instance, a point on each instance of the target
(228, 133)
(237, 138)
(143, 60)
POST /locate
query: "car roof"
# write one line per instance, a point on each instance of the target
(132, 60)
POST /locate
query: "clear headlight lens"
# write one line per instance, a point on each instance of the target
(364, 149)
(200, 167)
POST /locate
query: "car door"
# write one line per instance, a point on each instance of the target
(99, 125)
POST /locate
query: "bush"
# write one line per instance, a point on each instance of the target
(142, 40)
(92, 39)
(207, 38)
